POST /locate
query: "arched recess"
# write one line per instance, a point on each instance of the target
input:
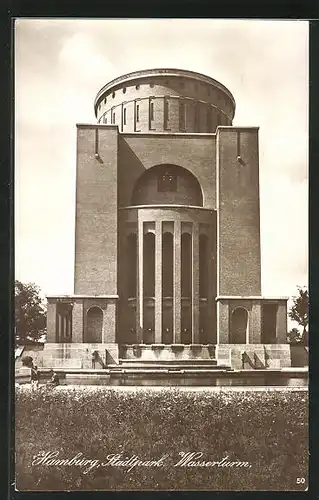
(239, 326)
(94, 324)
(167, 184)
(149, 265)
(131, 265)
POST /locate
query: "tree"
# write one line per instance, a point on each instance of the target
(30, 313)
(299, 311)
(294, 336)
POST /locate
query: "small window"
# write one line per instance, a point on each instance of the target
(166, 182)
(196, 117)
(113, 117)
(209, 118)
(113, 95)
(151, 111)
(165, 112)
(124, 90)
(152, 84)
(137, 86)
(137, 113)
(124, 117)
(105, 100)
(182, 112)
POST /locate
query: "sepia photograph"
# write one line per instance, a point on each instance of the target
(161, 254)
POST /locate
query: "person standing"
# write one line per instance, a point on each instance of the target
(95, 356)
(34, 376)
(54, 381)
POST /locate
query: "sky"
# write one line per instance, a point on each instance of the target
(61, 64)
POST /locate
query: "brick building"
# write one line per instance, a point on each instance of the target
(167, 238)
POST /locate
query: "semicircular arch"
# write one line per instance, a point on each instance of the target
(167, 184)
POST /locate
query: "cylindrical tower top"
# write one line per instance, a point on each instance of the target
(165, 100)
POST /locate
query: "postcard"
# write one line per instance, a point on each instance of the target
(161, 288)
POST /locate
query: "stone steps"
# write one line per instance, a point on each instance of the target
(167, 368)
(172, 362)
(167, 371)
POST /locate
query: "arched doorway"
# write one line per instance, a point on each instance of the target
(239, 326)
(94, 325)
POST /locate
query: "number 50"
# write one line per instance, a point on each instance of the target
(301, 480)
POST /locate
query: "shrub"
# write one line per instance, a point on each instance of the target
(267, 429)
(27, 361)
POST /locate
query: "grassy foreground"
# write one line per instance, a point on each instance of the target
(266, 430)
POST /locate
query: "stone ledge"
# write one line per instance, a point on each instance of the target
(82, 296)
(249, 297)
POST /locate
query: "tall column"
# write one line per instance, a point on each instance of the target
(195, 283)
(66, 330)
(70, 323)
(223, 321)
(51, 322)
(140, 287)
(158, 282)
(60, 327)
(211, 304)
(123, 271)
(77, 322)
(281, 324)
(254, 323)
(177, 283)
(109, 322)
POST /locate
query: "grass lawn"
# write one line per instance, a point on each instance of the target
(261, 435)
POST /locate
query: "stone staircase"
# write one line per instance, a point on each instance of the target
(171, 365)
(165, 371)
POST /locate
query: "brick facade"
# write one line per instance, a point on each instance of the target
(166, 168)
